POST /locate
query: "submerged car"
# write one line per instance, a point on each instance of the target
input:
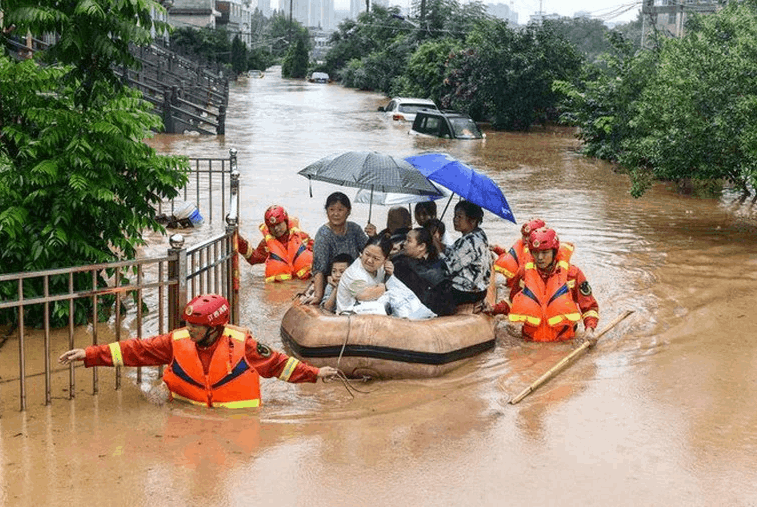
(402, 108)
(319, 77)
(445, 124)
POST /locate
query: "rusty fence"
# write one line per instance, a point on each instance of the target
(101, 303)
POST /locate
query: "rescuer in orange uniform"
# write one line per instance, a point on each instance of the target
(286, 250)
(549, 295)
(509, 261)
(209, 362)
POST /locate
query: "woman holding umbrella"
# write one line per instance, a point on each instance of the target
(468, 261)
(336, 236)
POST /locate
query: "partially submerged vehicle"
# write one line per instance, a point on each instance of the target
(445, 124)
(405, 108)
(319, 77)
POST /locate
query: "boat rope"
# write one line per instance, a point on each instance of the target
(346, 339)
(340, 374)
(348, 383)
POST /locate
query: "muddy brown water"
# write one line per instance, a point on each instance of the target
(662, 412)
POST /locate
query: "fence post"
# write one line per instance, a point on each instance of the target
(232, 228)
(168, 112)
(177, 270)
(221, 130)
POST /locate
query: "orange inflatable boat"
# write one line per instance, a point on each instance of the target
(384, 347)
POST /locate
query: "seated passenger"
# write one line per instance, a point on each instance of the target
(419, 267)
(286, 250)
(365, 279)
(425, 214)
(337, 236)
(368, 286)
(398, 222)
(468, 261)
(338, 266)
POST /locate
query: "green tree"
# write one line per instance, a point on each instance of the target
(380, 69)
(631, 31)
(209, 45)
(260, 59)
(238, 56)
(373, 32)
(77, 182)
(426, 71)
(284, 34)
(697, 118)
(506, 75)
(603, 101)
(589, 36)
(296, 60)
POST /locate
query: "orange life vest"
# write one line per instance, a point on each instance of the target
(547, 310)
(231, 382)
(509, 262)
(286, 261)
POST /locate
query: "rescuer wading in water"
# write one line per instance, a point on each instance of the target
(210, 362)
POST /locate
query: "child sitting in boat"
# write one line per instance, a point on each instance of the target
(368, 286)
(286, 250)
(339, 265)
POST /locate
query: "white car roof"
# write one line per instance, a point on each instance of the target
(414, 101)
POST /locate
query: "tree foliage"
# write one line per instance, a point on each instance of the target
(77, 182)
(697, 118)
(238, 56)
(603, 101)
(296, 60)
(206, 44)
(506, 75)
(426, 71)
(685, 110)
(373, 32)
(589, 36)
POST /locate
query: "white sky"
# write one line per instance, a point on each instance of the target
(618, 11)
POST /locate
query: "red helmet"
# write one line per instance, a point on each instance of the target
(275, 215)
(531, 225)
(543, 238)
(207, 310)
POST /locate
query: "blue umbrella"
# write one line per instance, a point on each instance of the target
(464, 181)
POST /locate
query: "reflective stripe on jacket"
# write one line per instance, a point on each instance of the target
(230, 382)
(509, 262)
(547, 310)
(286, 261)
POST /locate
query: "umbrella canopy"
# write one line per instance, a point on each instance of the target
(393, 199)
(464, 181)
(371, 170)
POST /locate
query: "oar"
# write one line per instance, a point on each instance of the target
(567, 359)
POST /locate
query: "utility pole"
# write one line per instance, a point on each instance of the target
(290, 23)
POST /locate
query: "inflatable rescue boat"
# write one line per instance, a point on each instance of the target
(383, 347)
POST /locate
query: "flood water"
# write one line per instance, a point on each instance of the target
(662, 412)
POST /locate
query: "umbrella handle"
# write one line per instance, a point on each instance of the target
(370, 206)
(447, 205)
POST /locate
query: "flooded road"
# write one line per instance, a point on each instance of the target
(662, 412)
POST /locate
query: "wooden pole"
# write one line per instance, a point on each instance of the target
(567, 359)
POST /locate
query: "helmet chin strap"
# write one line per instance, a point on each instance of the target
(209, 338)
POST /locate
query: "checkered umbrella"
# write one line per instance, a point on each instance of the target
(374, 171)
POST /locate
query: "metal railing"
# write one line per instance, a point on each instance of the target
(145, 296)
(206, 174)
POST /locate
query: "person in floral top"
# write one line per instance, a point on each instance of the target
(468, 261)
